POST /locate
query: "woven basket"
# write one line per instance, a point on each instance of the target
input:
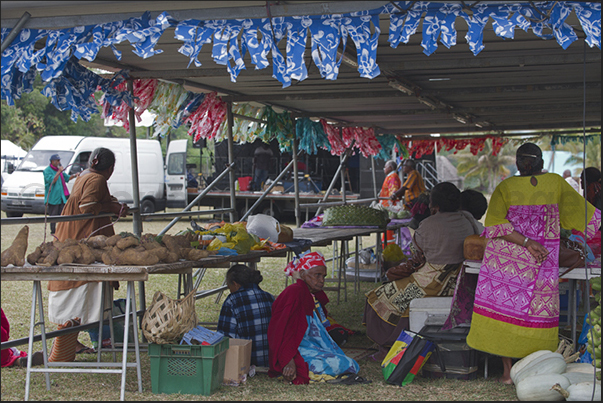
(166, 319)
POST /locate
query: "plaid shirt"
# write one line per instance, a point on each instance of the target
(245, 314)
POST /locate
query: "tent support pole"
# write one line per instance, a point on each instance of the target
(295, 177)
(136, 218)
(231, 174)
(15, 31)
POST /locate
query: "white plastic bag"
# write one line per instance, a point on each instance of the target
(264, 226)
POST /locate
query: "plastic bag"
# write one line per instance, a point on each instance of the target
(264, 226)
(393, 253)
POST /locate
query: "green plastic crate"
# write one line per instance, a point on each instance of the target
(195, 370)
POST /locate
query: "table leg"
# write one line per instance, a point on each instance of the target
(357, 267)
(136, 344)
(36, 298)
(143, 305)
(100, 323)
(379, 254)
(571, 310)
(130, 314)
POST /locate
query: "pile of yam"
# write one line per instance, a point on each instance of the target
(120, 250)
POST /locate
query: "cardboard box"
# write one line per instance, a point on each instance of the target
(238, 361)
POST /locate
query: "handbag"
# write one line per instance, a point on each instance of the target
(410, 359)
(571, 255)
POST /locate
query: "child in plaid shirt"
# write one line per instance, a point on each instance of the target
(246, 312)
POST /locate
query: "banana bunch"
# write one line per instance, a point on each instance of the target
(594, 319)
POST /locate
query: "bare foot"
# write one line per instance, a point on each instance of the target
(506, 381)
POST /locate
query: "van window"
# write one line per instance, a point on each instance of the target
(176, 164)
(38, 160)
(80, 163)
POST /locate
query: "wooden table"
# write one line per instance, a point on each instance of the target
(77, 273)
(581, 273)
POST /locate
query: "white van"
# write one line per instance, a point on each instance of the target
(23, 190)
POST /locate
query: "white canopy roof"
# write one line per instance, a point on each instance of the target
(10, 149)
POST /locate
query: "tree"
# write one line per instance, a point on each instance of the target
(592, 152)
(22, 128)
(484, 171)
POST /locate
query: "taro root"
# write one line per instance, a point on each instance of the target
(97, 242)
(15, 254)
(126, 242)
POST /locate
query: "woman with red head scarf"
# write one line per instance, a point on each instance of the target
(301, 349)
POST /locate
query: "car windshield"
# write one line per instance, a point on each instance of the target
(37, 160)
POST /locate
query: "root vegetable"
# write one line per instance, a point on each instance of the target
(98, 254)
(97, 242)
(112, 240)
(195, 254)
(175, 243)
(15, 254)
(161, 252)
(69, 254)
(131, 256)
(33, 257)
(87, 256)
(171, 257)
(127, 242)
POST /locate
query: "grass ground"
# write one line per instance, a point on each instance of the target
(16, 301)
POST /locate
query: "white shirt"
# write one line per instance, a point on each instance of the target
(574, 184)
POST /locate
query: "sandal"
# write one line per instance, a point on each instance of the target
(349, 379)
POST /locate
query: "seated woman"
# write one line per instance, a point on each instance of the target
(300, 347)
(440, 239)
(246, 312)
(475, 203)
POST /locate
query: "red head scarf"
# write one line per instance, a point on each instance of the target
(305, 262)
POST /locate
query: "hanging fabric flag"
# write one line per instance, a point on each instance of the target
(166, 103)
(206, 120)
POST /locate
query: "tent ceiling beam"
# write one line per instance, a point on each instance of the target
(202, 12)
(520, 62)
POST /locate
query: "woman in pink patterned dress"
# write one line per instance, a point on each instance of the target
(516, 309)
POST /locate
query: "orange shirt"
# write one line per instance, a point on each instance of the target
(391, 183)
(414, 187)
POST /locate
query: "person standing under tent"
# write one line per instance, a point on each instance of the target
(516, 306)
(78, 302)
(262, 157)
(391, 183)
(567, 175)
(55, 190)
(412, 187)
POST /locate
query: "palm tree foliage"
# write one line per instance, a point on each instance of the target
(484, 171)
(575, 145)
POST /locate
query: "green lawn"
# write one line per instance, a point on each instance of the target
(16, 302)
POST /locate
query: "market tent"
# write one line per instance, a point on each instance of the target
(349, 72)
(10, 149)
(394, 67)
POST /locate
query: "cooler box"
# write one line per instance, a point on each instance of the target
(460, 360)
(193, 370)
(436, 309)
